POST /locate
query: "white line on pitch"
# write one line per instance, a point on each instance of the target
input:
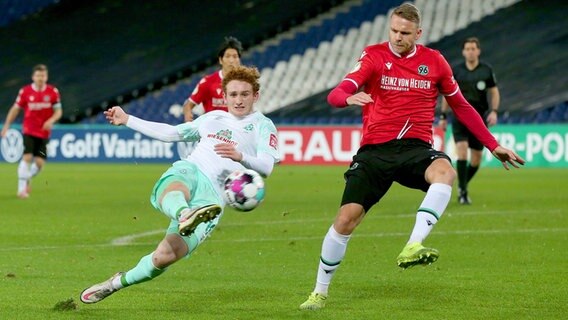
(125, 240)
(317, 237)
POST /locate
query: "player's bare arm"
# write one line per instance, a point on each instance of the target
(48, 124)
(12, 114)
(187, 110)
(507, 157)
(359, 99)
(116, 116)
(494, 99)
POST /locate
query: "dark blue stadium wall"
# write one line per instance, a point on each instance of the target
(98, 50)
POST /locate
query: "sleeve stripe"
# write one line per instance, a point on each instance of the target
(355, 83)
(455, 91)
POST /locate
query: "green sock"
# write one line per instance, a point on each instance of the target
(173, 203)
(144, 271)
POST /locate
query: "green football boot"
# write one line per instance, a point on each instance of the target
(415, 254)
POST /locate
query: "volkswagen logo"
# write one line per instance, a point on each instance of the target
(12, 146)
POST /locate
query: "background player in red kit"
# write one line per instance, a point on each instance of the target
(400, 83)
(209, 91)
(42, 108)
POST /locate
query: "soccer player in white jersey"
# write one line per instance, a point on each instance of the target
(190, 192)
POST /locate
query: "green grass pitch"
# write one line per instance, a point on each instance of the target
(504, 257)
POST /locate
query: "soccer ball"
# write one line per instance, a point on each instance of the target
(244, 189)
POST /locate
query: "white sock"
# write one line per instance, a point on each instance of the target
(34, 169)
(24, 174)
(435, 202)
(332, 252)
(116, 283)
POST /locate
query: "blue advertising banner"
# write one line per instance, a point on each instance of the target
(541, 145)
(97, 144)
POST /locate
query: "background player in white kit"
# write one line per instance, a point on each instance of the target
(189, 192)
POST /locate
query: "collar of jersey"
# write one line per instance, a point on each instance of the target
(410, 55)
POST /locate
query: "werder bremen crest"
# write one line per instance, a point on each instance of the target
(249, 127)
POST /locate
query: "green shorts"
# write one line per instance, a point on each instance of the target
(202, 193)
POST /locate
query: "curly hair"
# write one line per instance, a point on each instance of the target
(243, 73)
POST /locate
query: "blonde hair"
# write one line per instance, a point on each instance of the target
(409, 12)
(243, 73)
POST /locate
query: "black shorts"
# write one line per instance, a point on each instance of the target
(375, 167)
(36, 146)
(461, 133)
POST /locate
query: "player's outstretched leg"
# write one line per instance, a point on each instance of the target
(101, 290)
(415, 254)
(189, 219)
(315, 301)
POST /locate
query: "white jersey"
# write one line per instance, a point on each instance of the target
(252, 135)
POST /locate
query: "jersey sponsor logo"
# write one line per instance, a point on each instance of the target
(224, 136)
(225, 133)
(423, 70)
(218, 102)
(481, 85)
(404, 84)
(388, 65)
(273, 141)
(12, 146)
(39, 105)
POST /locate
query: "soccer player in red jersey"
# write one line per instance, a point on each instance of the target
(397, 84)
(41, 104)
(209, 91)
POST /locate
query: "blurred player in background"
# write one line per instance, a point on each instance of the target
(479, 87)
(397, 84)
(41, 104)
(190, 192)
(209, 91)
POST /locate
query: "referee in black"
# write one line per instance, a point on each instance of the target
(477, 82)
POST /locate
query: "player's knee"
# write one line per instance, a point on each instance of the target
(162, 258)
(441, 171)
(349, 217)
(167, 253)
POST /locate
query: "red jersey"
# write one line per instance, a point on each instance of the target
(209, 93)
(38, 108)
(405, 91)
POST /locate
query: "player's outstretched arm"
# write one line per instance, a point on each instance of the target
(507, 157)
(156, 130)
